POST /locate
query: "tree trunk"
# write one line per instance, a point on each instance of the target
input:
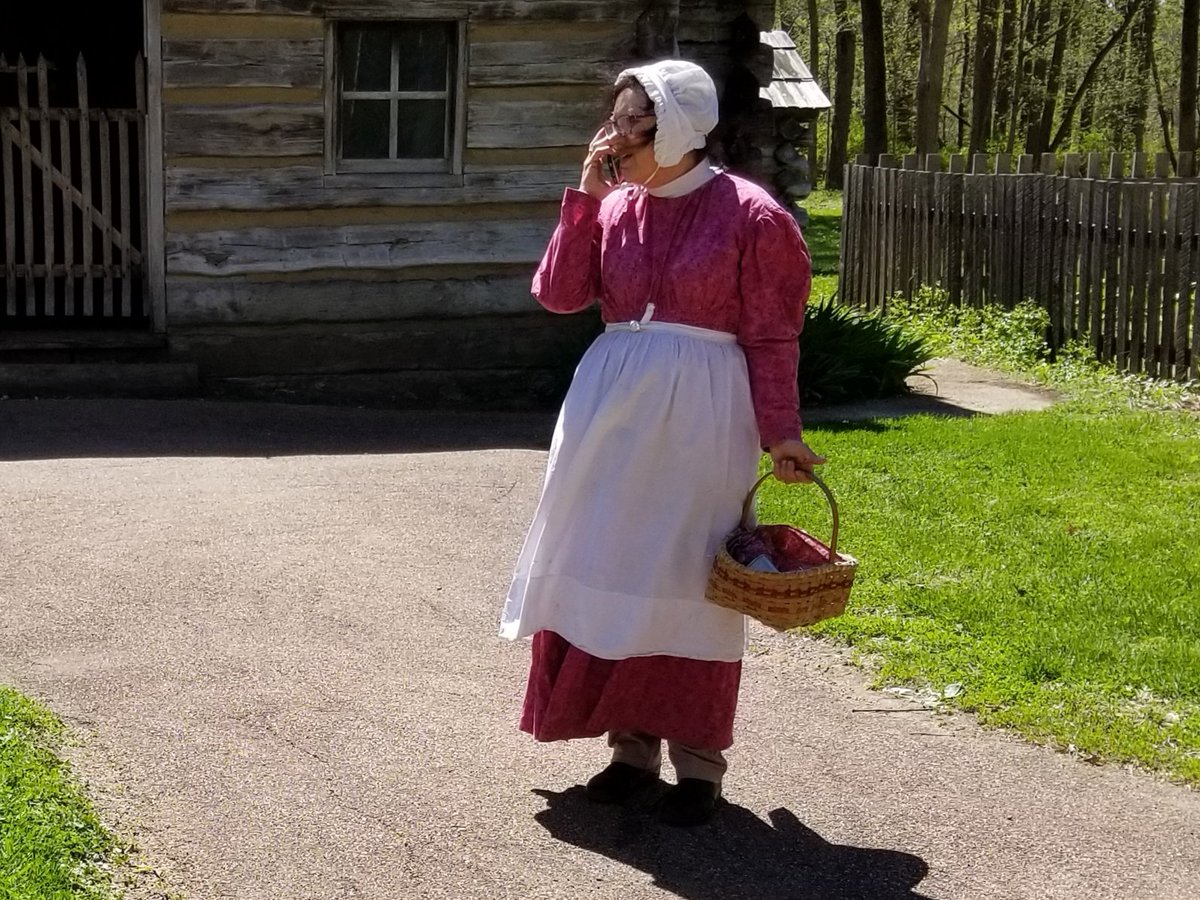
(814, 36)
(961, 113)
(875, 138)
(1164, 115)
(1089, 76)
(1187, 76)
(983, 79)
(1143, 54)
(1118, 112)
(902, 49)
(843, 96)
(814, 66)
(1005, 74)
(1019, 70)
(1087, 114)
(1053, 81)
(931, 71)
(1070, 76)
(1036, 67)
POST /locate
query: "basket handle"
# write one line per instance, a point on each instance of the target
(748, 508)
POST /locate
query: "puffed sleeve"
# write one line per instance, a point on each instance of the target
(775, 277)
(568, 279)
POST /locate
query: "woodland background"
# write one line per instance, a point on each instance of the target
(1011, 76)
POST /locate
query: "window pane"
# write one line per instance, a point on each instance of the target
(365, 129)
(424, 48)
(422, 129)
(366, 59)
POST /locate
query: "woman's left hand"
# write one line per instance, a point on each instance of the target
(794, 460)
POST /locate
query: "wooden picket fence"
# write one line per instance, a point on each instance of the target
(73, 194)
(1113, 258)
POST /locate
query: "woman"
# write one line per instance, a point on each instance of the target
(702, 278)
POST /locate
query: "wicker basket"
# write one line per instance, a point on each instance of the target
(784, 600)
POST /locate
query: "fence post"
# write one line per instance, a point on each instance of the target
(1048, 244)
(85, 174)
(1084, 239)
(1188, 271)
(143, 191)
(1157, 237)
(48, 282)
(10, 212)
(991, 278)
(1124, 254)
(957, 223)
(929, 211)
(1070, 188)
(1138, 282)
(890, 212)
(26, 142)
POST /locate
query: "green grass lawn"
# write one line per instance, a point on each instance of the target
(824, 230)
(1046, 562)
(823, 235)
(52, 845)
(1044, 565)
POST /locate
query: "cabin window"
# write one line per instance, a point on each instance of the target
(397, 97)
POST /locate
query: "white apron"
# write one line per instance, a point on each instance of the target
(655, 449)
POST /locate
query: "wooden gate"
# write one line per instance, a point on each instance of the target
(73, 192)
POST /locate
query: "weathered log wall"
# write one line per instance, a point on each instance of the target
(278, 269)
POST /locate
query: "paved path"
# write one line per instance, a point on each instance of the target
(274, 628)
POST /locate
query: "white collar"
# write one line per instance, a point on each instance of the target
(694, 178)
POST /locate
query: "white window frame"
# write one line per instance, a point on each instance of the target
(449, 167)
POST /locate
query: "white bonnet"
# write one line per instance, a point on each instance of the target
(685, 103)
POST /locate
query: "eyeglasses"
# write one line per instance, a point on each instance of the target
(624, 124)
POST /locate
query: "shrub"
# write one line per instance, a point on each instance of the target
(1014, 340)
(846, 355)
(1008, 338)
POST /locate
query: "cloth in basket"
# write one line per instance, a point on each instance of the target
(812, 581)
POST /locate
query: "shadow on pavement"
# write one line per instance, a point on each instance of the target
(737, 856)
(67, 429)
(118, 428)
(887, 408)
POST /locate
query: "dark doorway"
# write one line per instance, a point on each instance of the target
(72, 174)
(109, 34)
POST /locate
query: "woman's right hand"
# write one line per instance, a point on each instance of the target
(592, 180)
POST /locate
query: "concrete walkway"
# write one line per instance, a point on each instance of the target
(274, 629)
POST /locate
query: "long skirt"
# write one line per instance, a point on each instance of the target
(572, 694)
(655, 450)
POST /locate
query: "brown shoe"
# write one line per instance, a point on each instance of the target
(618, 782)
(691, 802)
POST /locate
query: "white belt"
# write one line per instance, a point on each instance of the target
(704, 334)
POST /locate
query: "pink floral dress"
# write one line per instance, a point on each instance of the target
(703, 284)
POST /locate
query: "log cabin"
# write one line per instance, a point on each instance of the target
(323, 199)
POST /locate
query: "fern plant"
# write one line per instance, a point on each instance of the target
(846, 356)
